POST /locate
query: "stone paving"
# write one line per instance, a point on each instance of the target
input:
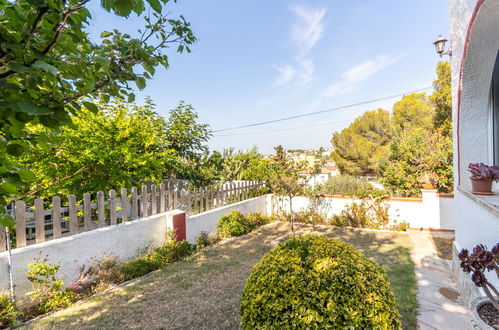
(441, 306)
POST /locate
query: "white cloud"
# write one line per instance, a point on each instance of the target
(351, 79)
(286, 73)
(306, 70)
(306, 31)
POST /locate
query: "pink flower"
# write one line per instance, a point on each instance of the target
(72, 284)
(34, 259)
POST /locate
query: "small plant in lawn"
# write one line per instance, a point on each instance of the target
(48, 293)
(205, 239)
(478, 262)
(8, 311)
(258, 219)
(234, 224)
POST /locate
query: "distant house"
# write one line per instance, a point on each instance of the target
(321, 178)
(474, 35)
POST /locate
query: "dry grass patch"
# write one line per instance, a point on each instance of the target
(204, 291)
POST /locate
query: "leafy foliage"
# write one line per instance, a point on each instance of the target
(50, 69)
(413, 111)
(442, 98)
(171, 251)
(258, 219)
(8, 311)
(343, 185)
(285, 178)
(234, 224)
(121, 145)
(478, 262)
(371, 212)
(359, 148)
(317, 282)
(414, 153)
(480, 171)
(48, 293)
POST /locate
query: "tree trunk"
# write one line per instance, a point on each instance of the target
(291, 215)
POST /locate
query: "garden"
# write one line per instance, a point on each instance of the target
(327, 275)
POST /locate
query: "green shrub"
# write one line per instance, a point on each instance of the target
(170, 252)
(315, 282)
(205, 239)
(370, 212)
(258, 219)
(8, 311)
(234, 224)
(344, 185)
(48, 293)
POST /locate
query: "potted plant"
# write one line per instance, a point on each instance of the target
(485, 310)
(428, 180)
(482, 176)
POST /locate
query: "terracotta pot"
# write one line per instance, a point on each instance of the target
(481, 186)
(428, 186)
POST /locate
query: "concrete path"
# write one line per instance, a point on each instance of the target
(441, 306)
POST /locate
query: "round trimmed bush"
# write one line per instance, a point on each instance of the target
(318, 282)
(234, 224)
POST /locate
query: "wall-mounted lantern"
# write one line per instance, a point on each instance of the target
(440, 46)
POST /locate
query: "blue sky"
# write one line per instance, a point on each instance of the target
(262, 60)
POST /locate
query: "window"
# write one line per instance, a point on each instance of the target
(495, 111)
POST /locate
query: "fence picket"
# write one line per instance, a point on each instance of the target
(143, 200)
(124, 205)
(56, 216)
(162, 197)
(154, 200)
(39, 220)
(170, 196)
(20, 214)
(73, 215)
(112, 207)
(87, 211)
(100, 210)
(188, 201)
(135, 204)
(3, 239)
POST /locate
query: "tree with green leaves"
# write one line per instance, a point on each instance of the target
(359, 148)
(121, 145)
(414, 153)
(413, 111)
(285, 179)
(50, 69)
(442, 98)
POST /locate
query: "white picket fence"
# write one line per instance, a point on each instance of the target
(51, 219)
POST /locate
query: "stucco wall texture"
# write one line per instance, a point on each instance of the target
(472, 65)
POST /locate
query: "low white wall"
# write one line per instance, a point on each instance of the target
(124, 240)
(207, 221)
(429, 212)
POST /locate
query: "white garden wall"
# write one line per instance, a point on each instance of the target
(124, 240)
(429, 212)
(207, 221)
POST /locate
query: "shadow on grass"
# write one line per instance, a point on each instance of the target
(205, 290)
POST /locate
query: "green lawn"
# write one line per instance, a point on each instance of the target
(204, 291)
